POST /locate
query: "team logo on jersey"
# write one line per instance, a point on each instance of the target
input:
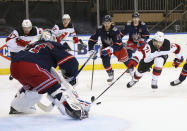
(4, 52)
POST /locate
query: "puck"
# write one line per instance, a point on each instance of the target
(92, 99)
(10, 77)
(98, 103)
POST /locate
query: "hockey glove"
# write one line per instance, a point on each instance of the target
(59, 38)
(133, 63)
(94, 56)
(141, 44)
(107, 51)
(81, 46)
(75, 40)
(177, 62)
(21, 42)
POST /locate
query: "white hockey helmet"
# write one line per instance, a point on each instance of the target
(26, 23)
(159, 36)
(47, 35)
(66, 16)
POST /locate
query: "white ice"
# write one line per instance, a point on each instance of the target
(139, 108)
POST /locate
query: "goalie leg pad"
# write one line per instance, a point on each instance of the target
(68, 104)
(24, 101)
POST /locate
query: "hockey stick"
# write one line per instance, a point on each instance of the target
(91, 56)
(92, 73)
(61, 79)
(93, 99)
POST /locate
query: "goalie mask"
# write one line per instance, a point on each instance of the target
(158, 40)
(47, 35)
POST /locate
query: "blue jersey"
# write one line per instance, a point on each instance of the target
(108, 38)
(136, 33)
(46, 54)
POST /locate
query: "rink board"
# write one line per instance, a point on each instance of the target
(179, 38)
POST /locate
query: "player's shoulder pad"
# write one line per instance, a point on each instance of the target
(100, 27)
(142, 23)
(129, 23)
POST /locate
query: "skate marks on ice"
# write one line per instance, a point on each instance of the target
(54, 122)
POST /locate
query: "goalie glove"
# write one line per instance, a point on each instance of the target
(21, 42)
(177, 62)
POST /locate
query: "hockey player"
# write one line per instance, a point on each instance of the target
(138, 34)
(31, 68)
(111, 44)
(62, 31)
(182, 76)
(155, 52)
(23, 36)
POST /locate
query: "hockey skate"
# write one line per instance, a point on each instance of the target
(154, 84)
(175, 82)
(27, 111)
(131, 83)
(111, 76)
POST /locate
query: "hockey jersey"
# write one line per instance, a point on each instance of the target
(149, 52)
(108, 38)
(135, 32)
(18, 33)
(59, 30)
(46, 54)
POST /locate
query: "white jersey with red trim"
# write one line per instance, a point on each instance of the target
(60, 30)
(18, 33)
(149, 52)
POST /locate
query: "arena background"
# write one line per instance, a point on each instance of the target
(169, 16)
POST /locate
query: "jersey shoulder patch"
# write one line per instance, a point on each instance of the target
(114, 28)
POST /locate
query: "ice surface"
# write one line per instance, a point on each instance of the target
(139, 108)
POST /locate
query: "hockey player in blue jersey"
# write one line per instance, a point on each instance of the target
(111, 44)
(31, 67)
(138, 34)
(182, 75)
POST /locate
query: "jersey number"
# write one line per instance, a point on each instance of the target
(37, 48)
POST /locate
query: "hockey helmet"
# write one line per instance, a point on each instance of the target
(26, 23)
(107, 18)
(66, 16)
(47, 35)
(135, 15)
(159, 36)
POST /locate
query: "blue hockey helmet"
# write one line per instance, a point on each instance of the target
(107, 18)
(135, 15)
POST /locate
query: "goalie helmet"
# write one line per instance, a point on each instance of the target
(47, 35)
(26, 23)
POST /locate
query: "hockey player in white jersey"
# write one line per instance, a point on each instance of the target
(23, 36)
(155, 52)
(62, 31)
